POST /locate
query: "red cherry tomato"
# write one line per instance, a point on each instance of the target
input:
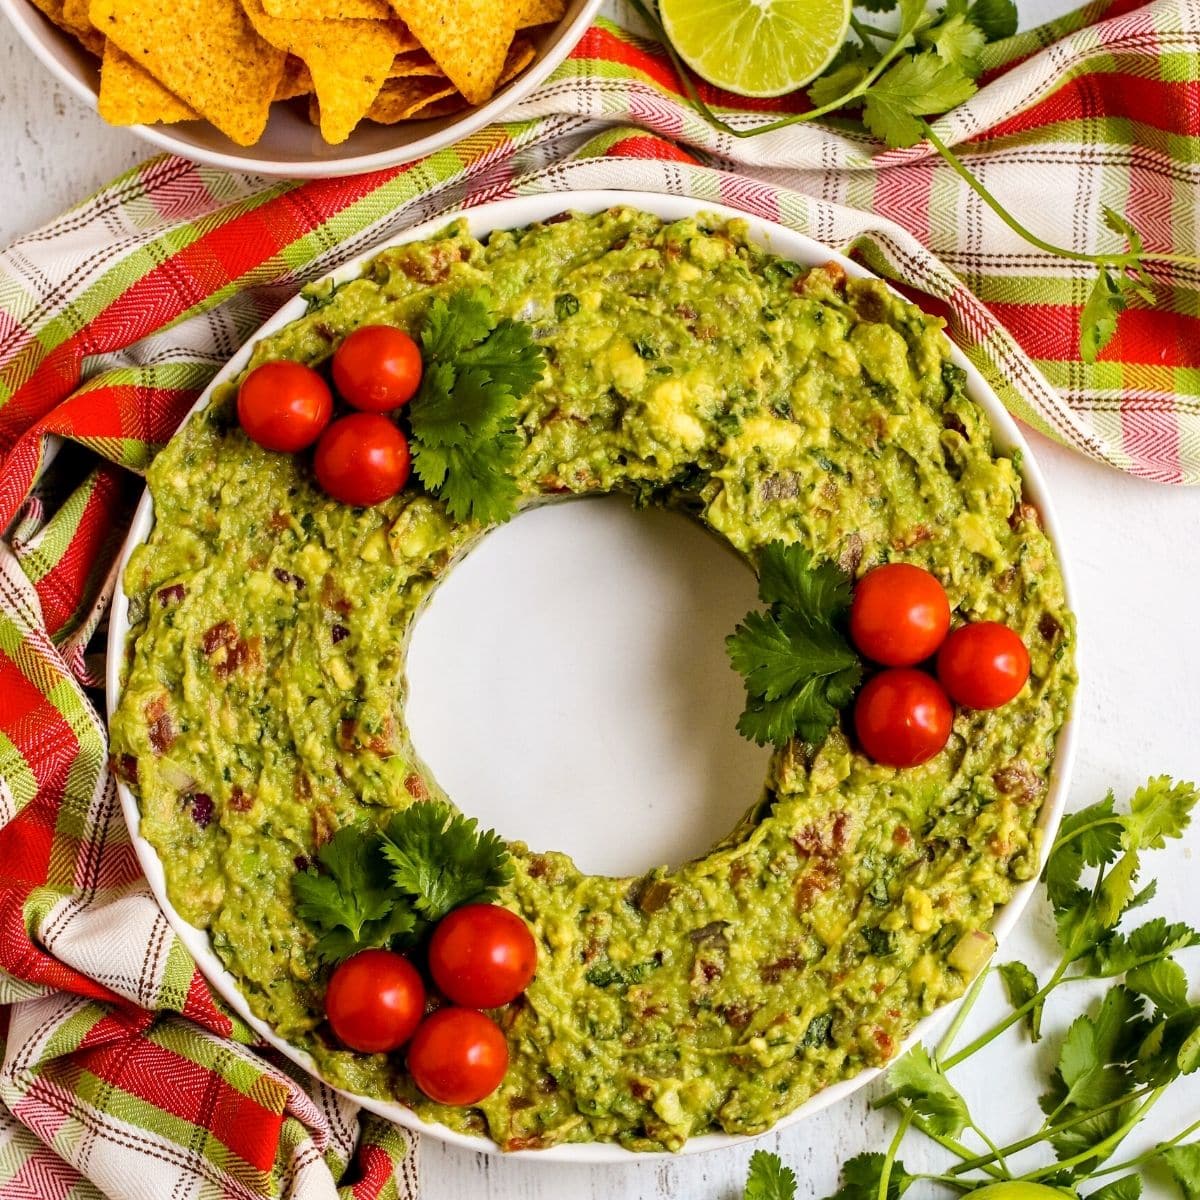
(983, 665)
(362, 459)
(482, 956)
(375, 1001)
(458, 1056)
(902, 717)
(899, 615)
(376, 368)
(284, 405)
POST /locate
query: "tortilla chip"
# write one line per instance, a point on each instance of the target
(131, 96)
(84, 34)
(447, 106)
(520, 54)
(296, 81)
(328, 10)
(539, 12)
(415, 62)
(399, 99)
(204, 51)
(468, 39)
(348, 60)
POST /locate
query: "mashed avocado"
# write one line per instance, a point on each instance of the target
(264, 696)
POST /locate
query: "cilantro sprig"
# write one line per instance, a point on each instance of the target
(798, 665)
(463, 420)
(893, 80)
(384, 887)
(1114, 1062)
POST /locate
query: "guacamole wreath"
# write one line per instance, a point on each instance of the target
(263, 702)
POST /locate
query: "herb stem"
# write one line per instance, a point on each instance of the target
(1101, 1149)
(989, 1034)
(1048, 1131)
(1150, 1154)
(948, 1143)
(866, 31)
(964, 1011)
(885, 1173)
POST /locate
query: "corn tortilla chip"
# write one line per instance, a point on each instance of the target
(84, 34)
(520, 54)
(400, 98)
(447, 106)
(296, 80)
(328, 10)
(539, 12)
(131, 96)
(415, 62)
(348, 60)
(204, 51)
(468, 39)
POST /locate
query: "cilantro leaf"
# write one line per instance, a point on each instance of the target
(1171, 1048)
(352, 905)
(442, 859)
(455, 324)
(915, 1079)
(1154, 939)
(769, 1179)
(956, 40)
(1160, 809)
(1090, 1068)
(996, 18)
(861, 1175)
(788, 576)
(463, 419)
(798, 666)
(1127, 1187)
(1021, 985)
(917, 85)
(1163, 983)
(1184, 1164)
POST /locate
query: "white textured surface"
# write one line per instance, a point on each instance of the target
(1137, 569)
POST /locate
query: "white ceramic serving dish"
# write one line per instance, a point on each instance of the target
(506, 214)
(290, 145)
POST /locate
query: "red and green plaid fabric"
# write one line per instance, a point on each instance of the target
(121, 1073)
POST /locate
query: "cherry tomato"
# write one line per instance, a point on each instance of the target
(902, 717)
(458, 1056)
(899, 615)
(376, 368)
(482, 956)
(983, 665)
(375, 1001)
(284, 405)
(362, 459)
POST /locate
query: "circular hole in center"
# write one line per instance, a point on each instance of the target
(569, 686)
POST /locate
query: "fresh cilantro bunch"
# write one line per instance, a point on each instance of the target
(798, 665)
(1114, 1063)
(463, 420)
(891, 80)
(384, 887)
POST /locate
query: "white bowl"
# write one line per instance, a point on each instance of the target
(508, 214)
(290, 144)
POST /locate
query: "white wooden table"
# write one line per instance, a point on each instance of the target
(1135, 549)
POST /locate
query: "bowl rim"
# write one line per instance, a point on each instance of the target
(508, 214)
(41, 36)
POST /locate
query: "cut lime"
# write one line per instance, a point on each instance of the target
(756, 47)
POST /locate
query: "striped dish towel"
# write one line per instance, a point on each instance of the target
(122, 1074)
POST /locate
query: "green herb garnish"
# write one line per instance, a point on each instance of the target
(1114, 1063)
(798, 665)
(382, 888)
(463, 420)
(892, 80)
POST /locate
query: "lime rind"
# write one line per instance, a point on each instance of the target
(756, 48)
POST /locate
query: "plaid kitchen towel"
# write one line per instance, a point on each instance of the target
(122, 1074)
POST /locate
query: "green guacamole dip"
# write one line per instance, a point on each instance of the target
(264, 688)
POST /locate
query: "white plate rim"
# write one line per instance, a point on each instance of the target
(27, 21)
(508, 214)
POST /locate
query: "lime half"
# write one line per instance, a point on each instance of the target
(756, 47)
